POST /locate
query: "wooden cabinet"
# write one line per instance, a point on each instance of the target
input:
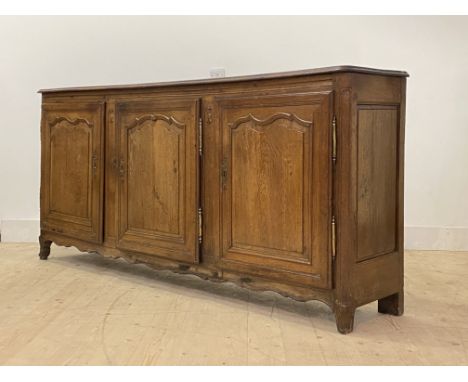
(290, 182)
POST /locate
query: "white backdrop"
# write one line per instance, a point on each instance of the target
(41, 52)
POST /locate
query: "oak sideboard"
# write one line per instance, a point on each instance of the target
(290, 182)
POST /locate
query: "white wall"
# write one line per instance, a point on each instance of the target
(38, 52)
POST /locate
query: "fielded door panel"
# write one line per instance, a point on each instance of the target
(158, 170)
(72, 169)
(276, 185)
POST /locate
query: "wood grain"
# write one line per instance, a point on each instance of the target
(272, 204)
(234, 79)
(83, 309)
(250, 156)
(158, 170)
(377, 185)
(72, 169)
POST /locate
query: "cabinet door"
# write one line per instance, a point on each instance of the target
(276, 186)
(72, 180)
(158, 187)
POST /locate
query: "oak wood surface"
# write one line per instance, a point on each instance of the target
(158, 170)
(72, 169)
(290, 74)
(247, 165)
(377, 184)
(276, 186)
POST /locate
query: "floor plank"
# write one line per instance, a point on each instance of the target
(83, 309)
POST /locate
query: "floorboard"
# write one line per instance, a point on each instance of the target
(83, 309)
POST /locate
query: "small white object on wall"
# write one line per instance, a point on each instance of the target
(217, 72)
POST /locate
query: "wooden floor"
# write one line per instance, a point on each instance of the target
(83, 309)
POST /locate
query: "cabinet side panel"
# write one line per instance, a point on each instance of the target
(377, 180)
(369, 191)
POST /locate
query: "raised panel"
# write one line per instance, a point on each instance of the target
(267, 184)
(72, 184)
(156, 173)
(158, 191)
(377, 164)
(70, 180)
(276, 184)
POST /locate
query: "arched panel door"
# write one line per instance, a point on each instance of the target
(158, 177)
(276, 186)
(72, 168)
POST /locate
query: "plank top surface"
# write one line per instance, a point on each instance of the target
(290, 74)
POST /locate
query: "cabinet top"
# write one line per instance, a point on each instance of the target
(290, 74)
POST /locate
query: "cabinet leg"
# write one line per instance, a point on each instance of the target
(344, 316)
(44, 251)
(392, 304)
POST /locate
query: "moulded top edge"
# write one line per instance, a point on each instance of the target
(297, 73)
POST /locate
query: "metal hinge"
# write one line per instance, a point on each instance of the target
(200, 225)
(200, 136)
(334, 139)
(333, 219)
(333, 237)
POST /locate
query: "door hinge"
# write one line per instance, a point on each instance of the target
(200, 136)
(334, 139)
(200, 225)
(333, 237)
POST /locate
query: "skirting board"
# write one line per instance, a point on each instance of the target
(19, 231)
(436, 238)
(416, 238)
